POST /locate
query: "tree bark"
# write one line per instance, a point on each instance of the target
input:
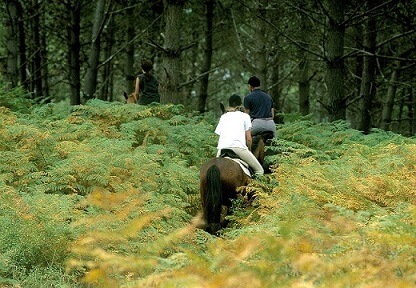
(275, 89)
(108, 66)
(130, 75)
(22, 48)
(171, 76)
(44, 59)
(387, 111)
(304, 80)
(206, 66)
(411, 108)
(335, 60)
(73, 9)
(368, 85)
(262, 50)
(37, 46)
(94, 54)
(12, 45)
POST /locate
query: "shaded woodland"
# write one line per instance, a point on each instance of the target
(325, 59)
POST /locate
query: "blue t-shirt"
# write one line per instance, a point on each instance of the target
(259, 103)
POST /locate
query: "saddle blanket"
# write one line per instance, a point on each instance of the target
(242, 164)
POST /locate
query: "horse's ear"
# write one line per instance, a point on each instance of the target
(125, 95)
(222, 108)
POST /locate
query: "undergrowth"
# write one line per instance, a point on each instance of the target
(107, 195)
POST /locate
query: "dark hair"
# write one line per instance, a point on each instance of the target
(254, 81)
(234, 101)
(147, 65)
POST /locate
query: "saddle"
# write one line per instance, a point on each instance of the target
(228, 153)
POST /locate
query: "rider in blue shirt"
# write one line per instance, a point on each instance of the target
(259, 105)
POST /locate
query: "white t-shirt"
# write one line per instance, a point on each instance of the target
(232, 129)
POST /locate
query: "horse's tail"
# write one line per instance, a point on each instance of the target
(213, 195)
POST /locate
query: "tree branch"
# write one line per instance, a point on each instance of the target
(131, 41)
(195, 79)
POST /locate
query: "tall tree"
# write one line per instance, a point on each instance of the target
(37, 49)
(171, 65)
(411, 108)
(130, 19)
(94, 53)
(303, 75)
(73, 10)
(368, 83)
(12, 46)
(44, 55)
(206, 65)
(106, 89)
(21, 35)
(334, 58)
(388, 106)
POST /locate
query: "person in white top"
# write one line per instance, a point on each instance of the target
(234, 131)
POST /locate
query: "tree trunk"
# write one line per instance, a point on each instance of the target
(12, 42)
(130, 35)
(355, 82)
(94, 54)
(263, 51)
(22, 47)
(73, 8)
(44, 59)
(411, 107)
(108, 67)
(206, 66)
(335, 60)
(171, 76)
(391, 96)
(400, 115)
(304, 81)
(37, 46)
(276, 88)
(304, 87)
(368, 85)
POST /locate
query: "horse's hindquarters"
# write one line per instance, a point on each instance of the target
(219, 180)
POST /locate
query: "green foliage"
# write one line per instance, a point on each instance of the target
(112, 191)
(35, 233)
(15, 99)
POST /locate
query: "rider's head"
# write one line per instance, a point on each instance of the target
(254, 82)
(234, 101)
(147, 65)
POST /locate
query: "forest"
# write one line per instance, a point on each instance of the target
(334, 60)
(98, 193)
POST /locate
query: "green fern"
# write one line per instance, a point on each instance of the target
(336, 211)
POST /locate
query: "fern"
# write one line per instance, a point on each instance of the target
(336, 211)
(15, 99)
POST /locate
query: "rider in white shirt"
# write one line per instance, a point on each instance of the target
(234, 131)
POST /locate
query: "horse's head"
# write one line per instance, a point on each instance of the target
(259, 146)
(130, 99)
(222, 107)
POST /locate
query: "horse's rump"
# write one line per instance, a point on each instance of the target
(219, 180)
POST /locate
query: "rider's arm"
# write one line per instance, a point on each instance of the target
(248, 139)
(136, 90)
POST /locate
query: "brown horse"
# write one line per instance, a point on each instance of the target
(130, 99)
(219, 180)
